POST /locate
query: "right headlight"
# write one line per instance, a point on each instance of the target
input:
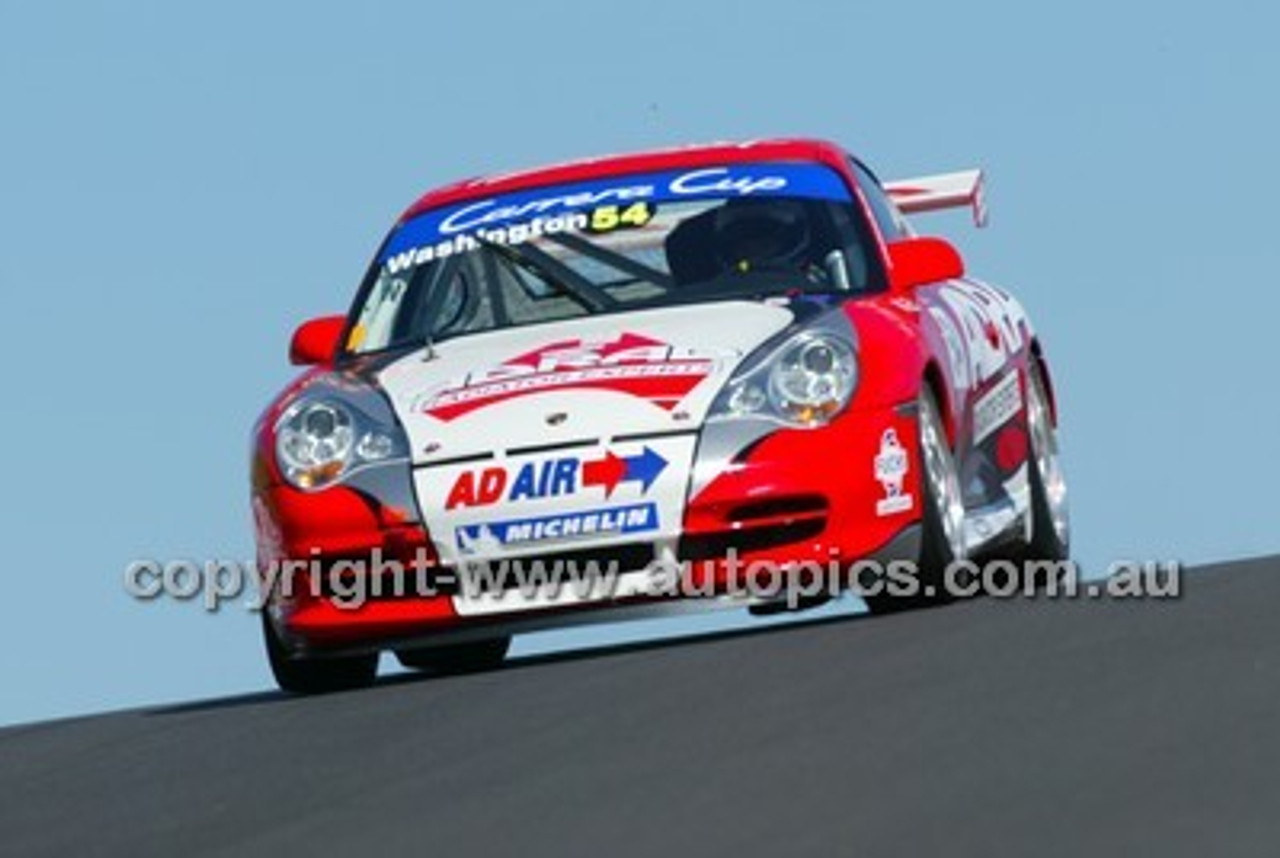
(805, 382)
(321, 440)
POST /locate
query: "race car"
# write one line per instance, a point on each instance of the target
(690, 362)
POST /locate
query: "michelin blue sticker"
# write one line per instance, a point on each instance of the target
(610, 521)
(516, 217)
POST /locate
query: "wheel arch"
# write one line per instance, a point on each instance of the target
(1038, 359)
(937, 384)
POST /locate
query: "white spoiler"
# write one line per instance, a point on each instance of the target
(944, 191)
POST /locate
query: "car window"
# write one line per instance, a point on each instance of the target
(627, 242)
(890, 221)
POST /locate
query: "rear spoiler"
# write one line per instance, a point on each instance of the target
(944, 191)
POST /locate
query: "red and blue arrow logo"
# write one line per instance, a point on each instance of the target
(613, 470)
(550, 478)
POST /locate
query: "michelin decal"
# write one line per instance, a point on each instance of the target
(482, 538)
(553, 479)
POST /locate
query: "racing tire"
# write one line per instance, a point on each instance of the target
(942, 519)
(469, 657)
(1050, 518)
(316, 675)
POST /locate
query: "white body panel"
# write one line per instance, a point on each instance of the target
(500, 388)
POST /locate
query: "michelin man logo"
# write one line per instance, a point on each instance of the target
(891, 470)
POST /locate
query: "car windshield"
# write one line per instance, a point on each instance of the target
(623, 243)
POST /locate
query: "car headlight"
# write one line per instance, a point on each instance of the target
(806, 382)
(320, 441)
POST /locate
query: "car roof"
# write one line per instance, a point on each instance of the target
(585, 169)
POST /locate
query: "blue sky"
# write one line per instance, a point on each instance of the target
(179, 186)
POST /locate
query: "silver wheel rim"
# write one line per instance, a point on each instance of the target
(1044, 445)
(941, 479)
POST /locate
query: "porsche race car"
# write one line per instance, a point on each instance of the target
(699, 360)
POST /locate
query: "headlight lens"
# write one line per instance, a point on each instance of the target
(806, 383)
(812, 380)
(318, 441)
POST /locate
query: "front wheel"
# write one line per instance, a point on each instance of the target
(316, 675)
(458, 658)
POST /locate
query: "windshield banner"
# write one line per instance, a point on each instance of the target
(564, 208)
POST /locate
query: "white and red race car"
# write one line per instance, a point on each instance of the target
(697, 361)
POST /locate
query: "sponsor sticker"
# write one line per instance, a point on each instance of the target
(633, 364)
(891, 465)
(484, 538)
(610, 218)
(551, 478)
(517, 217)
(996, 407)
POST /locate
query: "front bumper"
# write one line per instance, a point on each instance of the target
(804, 502)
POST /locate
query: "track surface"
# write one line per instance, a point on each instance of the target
(1111, 728)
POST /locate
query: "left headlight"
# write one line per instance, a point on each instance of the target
(321, 440)
(806, 382)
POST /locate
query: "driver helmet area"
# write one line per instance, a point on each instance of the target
(763, 234)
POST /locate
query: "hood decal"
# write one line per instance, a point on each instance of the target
(581, 380)
(632, 364)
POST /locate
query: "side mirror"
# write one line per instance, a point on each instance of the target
(918, 261)
(316, 341)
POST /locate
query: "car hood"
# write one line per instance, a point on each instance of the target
(589, 379)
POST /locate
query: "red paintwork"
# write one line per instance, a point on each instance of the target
(607, 472)
(833, 463)
(919, 261)
(315, 342)
(1011, 447)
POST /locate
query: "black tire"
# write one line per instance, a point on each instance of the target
(466, 657)
(784, 606)
(316, 675)
(937, 550)
(1045, 543)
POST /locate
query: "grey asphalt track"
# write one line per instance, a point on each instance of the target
(985, 728)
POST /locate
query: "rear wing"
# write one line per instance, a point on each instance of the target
(944, 191)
